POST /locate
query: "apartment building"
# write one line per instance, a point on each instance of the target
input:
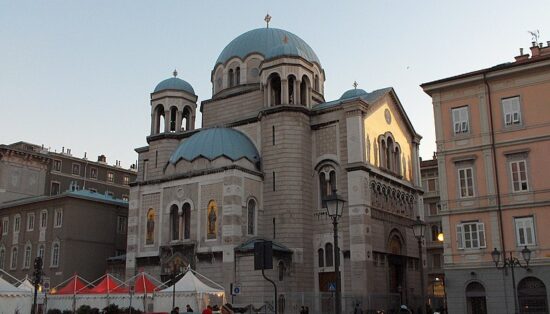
(435, 276)
(493, 138)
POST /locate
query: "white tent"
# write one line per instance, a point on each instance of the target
(189, 290)
(26, 285)
(13, 299)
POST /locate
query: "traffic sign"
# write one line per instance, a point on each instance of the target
(332, 287)
(236, 289)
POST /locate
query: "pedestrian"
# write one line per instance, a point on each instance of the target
(207, 310)
(404, 310)
(307, 309)
(176, 310)
(303, 310)
(357, 309)
(188, 308)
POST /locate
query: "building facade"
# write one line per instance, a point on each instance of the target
(70, 211)
(493, 138)
(74, 232)
(270, 150)
(435, 283)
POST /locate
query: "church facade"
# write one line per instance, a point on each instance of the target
(270, 149)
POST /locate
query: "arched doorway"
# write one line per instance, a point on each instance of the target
(475, 298)
(397, 264)
(532, 296)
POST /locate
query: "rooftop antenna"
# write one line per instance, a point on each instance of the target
(534, 35)
(355, 84)
(175, 73)
(267, 19)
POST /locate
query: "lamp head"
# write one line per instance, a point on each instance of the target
(335, 205)
(526, 253)
(496, 256)
(419, 227)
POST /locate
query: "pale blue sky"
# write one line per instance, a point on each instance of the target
(78, 73)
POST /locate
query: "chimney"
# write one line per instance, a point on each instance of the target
(521, 57)
(535, 50)
(102, 159)
(63, 150)
(69, 151)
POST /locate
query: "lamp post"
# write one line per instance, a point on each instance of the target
(512, 262)
(419, 227)
(335, 207)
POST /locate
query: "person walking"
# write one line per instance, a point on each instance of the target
(176, 310)
(188, 308)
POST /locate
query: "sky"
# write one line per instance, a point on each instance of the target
(78, 74)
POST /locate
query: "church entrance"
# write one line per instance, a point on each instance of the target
(397, 264)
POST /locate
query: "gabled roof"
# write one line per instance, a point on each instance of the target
(109, 284)
(349, 96)
(144, 284)
(73, 286)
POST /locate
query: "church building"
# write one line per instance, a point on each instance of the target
(270, 150)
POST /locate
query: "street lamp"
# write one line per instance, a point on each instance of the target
(335, 208)
(512, 262)
(419, 227)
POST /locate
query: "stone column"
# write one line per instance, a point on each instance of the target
(298, 96)
(284, 92)
(178, 120)
(153, 123)
(167, 121)
(268, 93)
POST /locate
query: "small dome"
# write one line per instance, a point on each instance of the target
(352, 93)
(214, 143)
(174, 83)
(262, 41)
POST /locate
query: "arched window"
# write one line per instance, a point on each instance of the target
(174, 223)
(186, 213)
(55, 255)
(304, 90)
(388, 153)
(327, 183)
(2, 257)
(159, 119)
(238, 76)
(291, 82)
(41, 250)
(275, 89)
(212, 219)
(382, 153)
(251, 217)
(231, 78)
(27, 256)
(329, 255)
(321, 257)
(397, 159)
(186, 119)
(173, 114)
(281, 269)
(13, 264)
(532, 296)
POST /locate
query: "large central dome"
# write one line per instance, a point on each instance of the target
(263, 41)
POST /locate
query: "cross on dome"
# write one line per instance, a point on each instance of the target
(267, 19)
(355, 84)
(175, 73)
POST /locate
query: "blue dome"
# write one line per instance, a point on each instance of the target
(175, 83)
(214, 143)
(262, 41)
(285, 50)
(352, 93)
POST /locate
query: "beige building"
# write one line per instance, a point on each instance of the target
(493, 139)
(271, 148)
(435, 283)
(70, 211)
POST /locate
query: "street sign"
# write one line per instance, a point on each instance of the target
(235, 289)
(332, 287)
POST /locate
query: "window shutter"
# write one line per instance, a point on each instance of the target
(459, 235)
(481, 232)
(529, 231)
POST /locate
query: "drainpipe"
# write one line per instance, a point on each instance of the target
(493, 148)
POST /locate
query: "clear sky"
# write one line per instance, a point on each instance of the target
(78, 73)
